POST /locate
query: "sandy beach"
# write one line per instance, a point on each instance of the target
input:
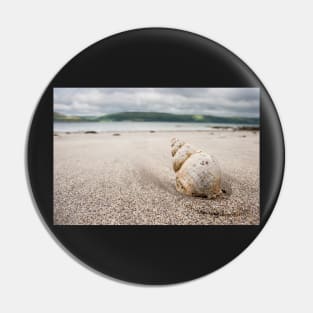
(127, 179)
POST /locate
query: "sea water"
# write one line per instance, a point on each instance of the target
(135, 126)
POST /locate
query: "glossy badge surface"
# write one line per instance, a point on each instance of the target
(155, 156)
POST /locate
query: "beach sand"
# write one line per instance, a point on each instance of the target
(127, 179)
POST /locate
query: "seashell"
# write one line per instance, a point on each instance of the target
(197, 172)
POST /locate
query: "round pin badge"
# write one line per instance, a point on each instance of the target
(155, 156)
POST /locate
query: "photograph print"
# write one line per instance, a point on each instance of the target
(156, 156)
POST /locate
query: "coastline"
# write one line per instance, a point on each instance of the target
(207, 129)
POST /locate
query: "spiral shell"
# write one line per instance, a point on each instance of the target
(197, 173)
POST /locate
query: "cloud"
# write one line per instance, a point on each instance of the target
(242, 102)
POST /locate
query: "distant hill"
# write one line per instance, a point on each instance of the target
(157, 117)
(61, 117)
(58, 116)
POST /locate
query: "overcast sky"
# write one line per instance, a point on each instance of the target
(242, 102)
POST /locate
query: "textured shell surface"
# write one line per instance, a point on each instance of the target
(175, 145)
(182, 154)
(197, 172)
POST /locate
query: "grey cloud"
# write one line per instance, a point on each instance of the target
(216, 101)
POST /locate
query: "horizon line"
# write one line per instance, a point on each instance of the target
(192, 114)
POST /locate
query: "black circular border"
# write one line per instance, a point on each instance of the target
(154, 57)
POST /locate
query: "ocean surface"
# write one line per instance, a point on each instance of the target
(134, 126)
